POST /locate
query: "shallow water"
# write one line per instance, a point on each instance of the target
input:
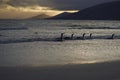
(39, 53)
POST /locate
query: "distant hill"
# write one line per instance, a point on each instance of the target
(41, 16)
(62, 15)
(106, 11)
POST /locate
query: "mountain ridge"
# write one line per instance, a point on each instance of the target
(105, 11)
(41, 16)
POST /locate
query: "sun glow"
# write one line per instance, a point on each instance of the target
(6, 11)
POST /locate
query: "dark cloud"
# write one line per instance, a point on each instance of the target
(23, 3)
(73, 4)
(56, 4)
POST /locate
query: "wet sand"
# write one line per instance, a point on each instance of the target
(95, 71)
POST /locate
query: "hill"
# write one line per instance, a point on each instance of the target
(106, 11)
(41, 16)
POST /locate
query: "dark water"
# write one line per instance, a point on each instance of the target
(33, 42)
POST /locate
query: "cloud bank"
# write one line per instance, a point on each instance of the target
(28, 8)
(55, 4)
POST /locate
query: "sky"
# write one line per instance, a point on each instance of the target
(21, 9)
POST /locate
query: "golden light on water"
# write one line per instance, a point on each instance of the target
(6, 11)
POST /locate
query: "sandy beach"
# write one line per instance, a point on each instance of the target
(94, 71)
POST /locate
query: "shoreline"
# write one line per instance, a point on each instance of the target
(94, 71)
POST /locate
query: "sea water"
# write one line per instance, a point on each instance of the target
(18, 46)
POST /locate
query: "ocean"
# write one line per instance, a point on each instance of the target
(37, 42)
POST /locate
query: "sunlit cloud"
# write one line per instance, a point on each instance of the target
(29, 8)
(28, 11)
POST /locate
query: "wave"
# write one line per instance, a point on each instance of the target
(59, 39)
(94, 28)
(26, 40)
(21, 28)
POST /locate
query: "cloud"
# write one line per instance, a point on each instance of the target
(23, 12)
(55, 4)
(73, 4)
(41, 6)
(28, 8)
(3, 1)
